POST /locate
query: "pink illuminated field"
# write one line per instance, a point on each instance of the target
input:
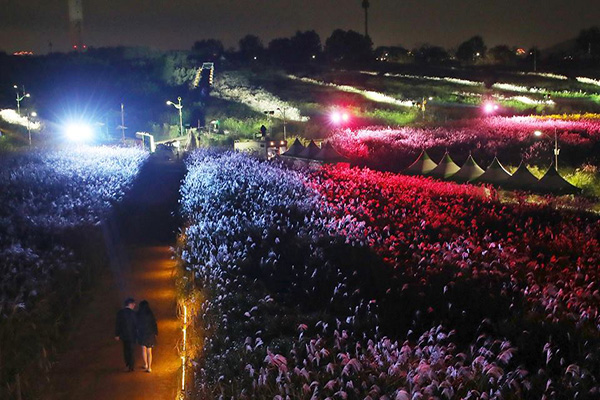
(511, 139)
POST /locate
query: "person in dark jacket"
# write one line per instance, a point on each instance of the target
(147, 330)
(125, 331)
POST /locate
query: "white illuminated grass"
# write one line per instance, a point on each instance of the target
(377, 97)
(233, 86)
(589, 81)
(12, 117)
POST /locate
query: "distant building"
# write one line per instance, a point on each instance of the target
(76, 25)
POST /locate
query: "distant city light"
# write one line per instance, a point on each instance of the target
(79, 132)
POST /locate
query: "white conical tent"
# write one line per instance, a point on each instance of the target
(495, 174)
(468, 172)
(552, 182)
(423, 165)
(445, 169)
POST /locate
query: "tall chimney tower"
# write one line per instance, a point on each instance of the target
(76, 25)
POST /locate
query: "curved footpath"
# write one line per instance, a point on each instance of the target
(138, 238)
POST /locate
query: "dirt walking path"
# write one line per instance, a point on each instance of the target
(138, 241)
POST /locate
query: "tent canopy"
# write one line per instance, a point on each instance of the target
(522, 179)
(310, 151)
(423, 165)
(445, 169)
(552, 182)
(468, 172)
(295, 149)
(495, 174)
(329, 154)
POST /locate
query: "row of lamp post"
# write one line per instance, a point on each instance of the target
(21, 95)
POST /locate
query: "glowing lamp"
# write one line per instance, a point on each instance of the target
(336, 117)
(538, 133)
(489, 107)
(79, 132)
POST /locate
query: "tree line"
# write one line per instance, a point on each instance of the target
(350, 47)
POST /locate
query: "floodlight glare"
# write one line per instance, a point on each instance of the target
(79, 132)
(336, 117)
(489, 107)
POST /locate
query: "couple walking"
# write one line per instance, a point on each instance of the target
(136, 327)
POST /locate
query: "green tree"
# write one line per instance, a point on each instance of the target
(305, 45)
(208, 50)
(396, 54)
(348, 47)
(428, 54)
(471, 50)
(588, 41)
(502, 55)
(251, 46)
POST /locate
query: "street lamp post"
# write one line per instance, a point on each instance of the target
(424, 104)
(556, 149)
(179, 107)
(20, 96)
(269, 114)
(282, 111)
(31, 114)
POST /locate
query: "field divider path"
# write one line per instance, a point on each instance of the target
(138, 243)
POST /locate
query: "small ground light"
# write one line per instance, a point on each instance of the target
(537, 133)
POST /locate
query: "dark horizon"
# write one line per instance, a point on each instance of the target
(164, 25)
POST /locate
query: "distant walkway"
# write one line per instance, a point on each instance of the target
(92, 366)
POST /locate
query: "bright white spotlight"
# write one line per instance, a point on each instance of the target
(336, 117)
(79, 132)
(489, 107)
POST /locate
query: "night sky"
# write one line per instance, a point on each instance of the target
(176, 24)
